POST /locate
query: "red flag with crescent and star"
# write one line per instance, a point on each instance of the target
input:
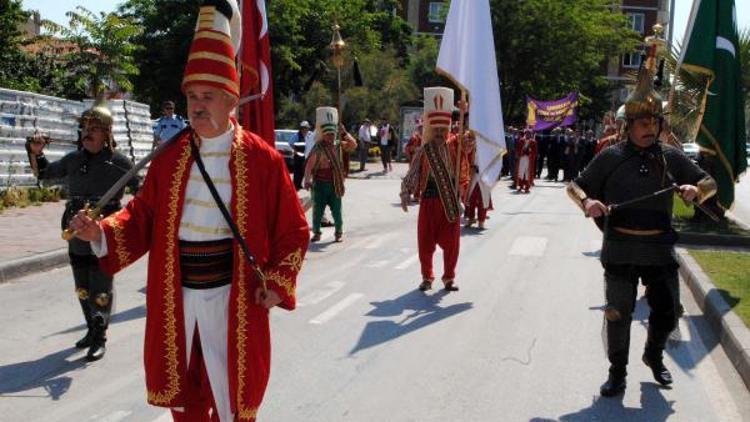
(256, 87)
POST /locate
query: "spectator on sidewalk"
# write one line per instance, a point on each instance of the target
(303, 135)
(363, 134)
(384, 138)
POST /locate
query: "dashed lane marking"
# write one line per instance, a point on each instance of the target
(321, 295)
(408, 263)
(377, 264)
(335, 309)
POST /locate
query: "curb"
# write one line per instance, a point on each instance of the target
(20, 267)
(733, 334)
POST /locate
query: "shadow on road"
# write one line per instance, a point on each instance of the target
(654, 408)
(47, 372)
(426, 310)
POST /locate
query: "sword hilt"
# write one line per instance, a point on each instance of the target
(93, 213)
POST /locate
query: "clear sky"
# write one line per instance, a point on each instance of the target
(54, 10)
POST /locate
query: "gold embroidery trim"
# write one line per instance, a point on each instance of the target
(214, 154)
(282, 281)
(204, 229)
(123, 256)
(199, 203)
(170, 318)
(249, 413)
(293, 261)
(244, 412)
(217, 181)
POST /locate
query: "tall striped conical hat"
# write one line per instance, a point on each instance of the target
(215, 46)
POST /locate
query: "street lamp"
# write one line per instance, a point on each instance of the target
(337, 47)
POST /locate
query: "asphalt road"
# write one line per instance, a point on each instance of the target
(521, 341)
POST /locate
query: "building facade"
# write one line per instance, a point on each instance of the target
(642, 16)
(426, 16)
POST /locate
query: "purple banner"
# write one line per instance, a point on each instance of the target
(545, 115)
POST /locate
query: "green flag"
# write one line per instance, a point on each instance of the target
(711, 47)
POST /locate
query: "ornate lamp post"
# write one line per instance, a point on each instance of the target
(337, 47)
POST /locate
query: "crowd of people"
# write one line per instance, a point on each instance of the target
(563, 152)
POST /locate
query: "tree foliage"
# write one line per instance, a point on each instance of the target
(167, 31)
(103, 53)
(14, 64)
(546, 48)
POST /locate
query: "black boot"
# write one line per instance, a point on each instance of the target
(86, 340)
(653, 359)
(99, 339)
(615, 383)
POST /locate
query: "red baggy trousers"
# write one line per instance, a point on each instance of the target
(434, 229)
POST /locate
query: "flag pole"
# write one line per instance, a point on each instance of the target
(460, 142)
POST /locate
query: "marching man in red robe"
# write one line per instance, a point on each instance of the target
(207, 346)
(433, 175)
(525, 161)
(475, 211)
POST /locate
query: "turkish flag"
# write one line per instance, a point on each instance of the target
(256, 85)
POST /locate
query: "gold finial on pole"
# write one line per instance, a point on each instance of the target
(337, 47)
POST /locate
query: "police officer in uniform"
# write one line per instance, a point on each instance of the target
(168, 125)
(87, 173)
(638, 237)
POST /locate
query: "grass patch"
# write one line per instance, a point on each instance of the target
(682, 221)
(15, 197)
(730, 273)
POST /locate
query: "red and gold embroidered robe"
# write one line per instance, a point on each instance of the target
(268, 214)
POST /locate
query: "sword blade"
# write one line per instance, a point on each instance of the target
(112, 192)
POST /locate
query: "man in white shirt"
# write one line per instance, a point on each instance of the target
(364, 143)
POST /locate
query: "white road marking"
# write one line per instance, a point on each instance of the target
(528, 246)
(377, 264)
(112, 417)
(335, 309)
(165, 417)
(406, 264)
(321, 295)
(379, 240)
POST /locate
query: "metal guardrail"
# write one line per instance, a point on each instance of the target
(24, 113)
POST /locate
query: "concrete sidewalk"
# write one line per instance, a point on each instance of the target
(30, 238)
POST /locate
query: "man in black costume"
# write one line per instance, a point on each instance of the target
(87, 173)
(638, 236)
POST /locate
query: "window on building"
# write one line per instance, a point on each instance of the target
(632, 60)
(435, 13)
(637, 22)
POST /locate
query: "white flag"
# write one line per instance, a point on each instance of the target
(467, 57)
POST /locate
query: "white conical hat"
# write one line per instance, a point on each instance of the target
(438, 106)
(326, 120)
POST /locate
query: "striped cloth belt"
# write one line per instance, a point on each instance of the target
(205, 265)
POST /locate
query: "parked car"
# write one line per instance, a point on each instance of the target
(283, 136)
(691, 150)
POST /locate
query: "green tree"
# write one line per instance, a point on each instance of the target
(167, 31)
(745, 69)
(301, 30)
(14, 64)
(546, 48)
(104, 53)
